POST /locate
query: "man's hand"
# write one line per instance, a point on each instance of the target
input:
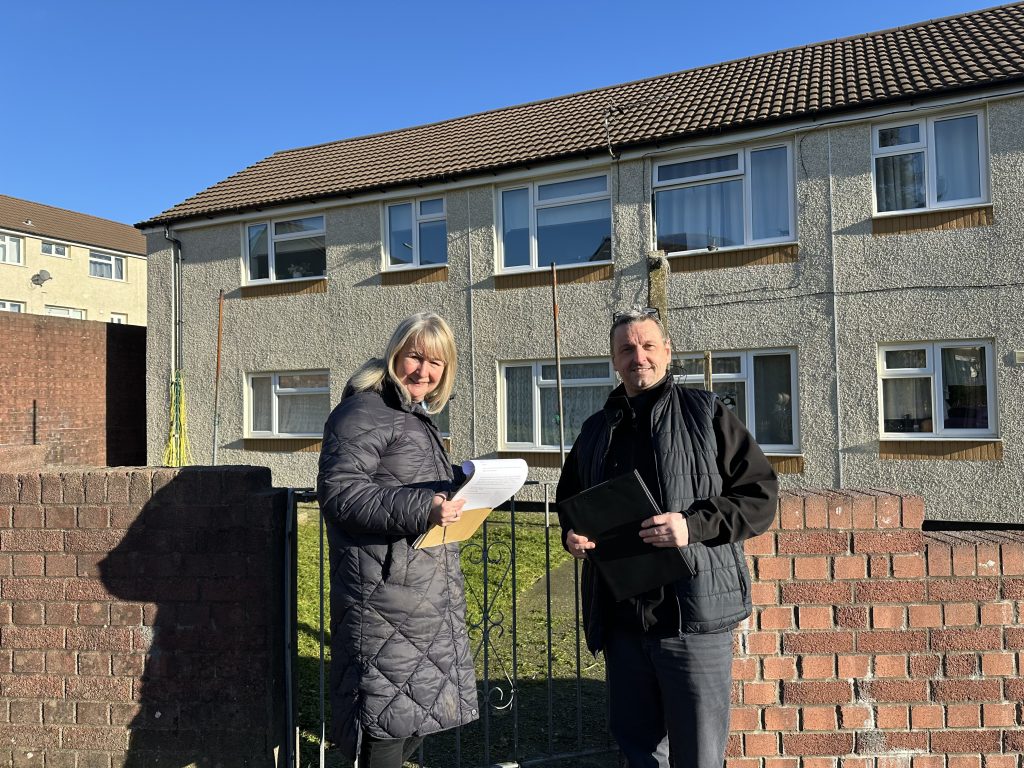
(667, 530)
(578, 545)
(444, 512)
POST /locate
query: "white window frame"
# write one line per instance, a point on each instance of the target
(17, 307)
(933, 372)
(926, 130)
(52, 246)
(10, 240)
(106, 259)
(276, 391)
(118, 318)
(80, 314)
(417, 219)
(273, 239)
(538, 383)
(535, 204)
(741, 173)
(746, 375)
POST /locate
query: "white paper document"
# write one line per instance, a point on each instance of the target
(491, 482)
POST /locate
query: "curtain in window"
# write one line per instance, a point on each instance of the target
(302, 414)
(578, 403)
(907, 404)
(262, 415)
(957, 167)
(519, 404)
(899, 182)
(965, 387)
(695, 217)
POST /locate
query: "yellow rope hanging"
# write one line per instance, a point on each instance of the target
(178, 453)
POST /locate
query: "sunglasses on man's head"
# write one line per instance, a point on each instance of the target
(634, 314)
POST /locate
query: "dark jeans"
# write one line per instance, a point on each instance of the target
(387, 753)
(669, 695)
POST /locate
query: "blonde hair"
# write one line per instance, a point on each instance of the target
(431, 334)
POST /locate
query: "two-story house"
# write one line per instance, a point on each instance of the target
(59, 262)
(841, 226)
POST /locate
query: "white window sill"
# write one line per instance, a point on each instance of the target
(730, 248)
(934, 209)
(558, 267)
(288, 281)
(917, 436)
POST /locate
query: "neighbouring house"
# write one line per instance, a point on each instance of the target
(840, 225)
(67, 264)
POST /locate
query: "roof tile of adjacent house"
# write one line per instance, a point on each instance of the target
(47, 222)
(973, 50)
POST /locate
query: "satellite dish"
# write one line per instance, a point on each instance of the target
(40, 277)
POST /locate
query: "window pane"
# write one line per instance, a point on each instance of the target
(591, 186)
(899, 135)
(691, 366)
(515, 227)
(302, 380)
(308, 224)
(725, 364)
(302, 414)
(258, 254)
(118, 269)
(733, 395)
(432, 207)
(400, 234)
(957, 168)
(576, 371)
(519, 404)
(899, 182)
(897, 359)
(720, 164)
(907, 405)
(261, 410)
(695, 217)
(769, 193)
(304, 257)
(433, 242)
(443, 420)
(574, 234)
(965, 388)
(578, 403)
(773, 399)
(101, 269)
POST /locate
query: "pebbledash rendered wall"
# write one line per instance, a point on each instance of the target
(848, 290)
(142, 618)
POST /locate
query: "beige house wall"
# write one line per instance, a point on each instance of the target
(71, 285)
(847, 291)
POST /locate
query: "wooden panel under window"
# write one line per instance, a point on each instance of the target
(787, 465)
(415, 276)
(738, 257)
(283, 289)
(938, 450)
(539, 459)
(283, 445)
(542, 278)
(960, 218)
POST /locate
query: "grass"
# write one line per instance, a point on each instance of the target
(531, 728)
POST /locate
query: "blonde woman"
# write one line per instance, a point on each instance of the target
(401, 667)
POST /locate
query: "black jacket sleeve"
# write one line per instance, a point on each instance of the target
(568, 485)
(750, 488)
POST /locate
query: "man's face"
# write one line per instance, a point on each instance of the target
(640, 355)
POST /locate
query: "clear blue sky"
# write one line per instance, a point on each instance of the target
(122, 108)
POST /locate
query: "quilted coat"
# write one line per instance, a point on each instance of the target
(401, 664)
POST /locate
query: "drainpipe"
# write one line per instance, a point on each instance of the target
(835, 313)
(177, 322)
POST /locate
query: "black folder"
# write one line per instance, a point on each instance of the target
(610, 514)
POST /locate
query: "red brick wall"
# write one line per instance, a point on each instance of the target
(88, 380)
(875, 645)
(141, 618)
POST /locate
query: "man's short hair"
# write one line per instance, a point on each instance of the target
(630, 316)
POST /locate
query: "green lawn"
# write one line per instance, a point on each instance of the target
(539, 733)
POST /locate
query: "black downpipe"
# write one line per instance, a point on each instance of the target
(176, 259)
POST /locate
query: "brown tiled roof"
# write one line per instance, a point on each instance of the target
(59, 224)
(973, 50)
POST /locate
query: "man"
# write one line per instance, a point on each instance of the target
(668, 652)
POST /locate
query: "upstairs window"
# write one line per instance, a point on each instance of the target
(726, 200)
(10, 249)
(118, 318)
(55, 249)
(759, 386)
(12, 306)
(288, 249)
(529, 397)
(936, 389)
(75, 314)
(106, 267)
(560, 222)
(417, 234)
(289, 404)
(937, 162)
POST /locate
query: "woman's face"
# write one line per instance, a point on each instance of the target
(418, 371)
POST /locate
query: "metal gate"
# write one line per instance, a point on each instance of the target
(541, 693)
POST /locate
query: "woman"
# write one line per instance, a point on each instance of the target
(401, 666)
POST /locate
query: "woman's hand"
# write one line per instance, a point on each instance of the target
(444, 512)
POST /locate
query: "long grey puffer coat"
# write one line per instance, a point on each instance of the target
(401, 664)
